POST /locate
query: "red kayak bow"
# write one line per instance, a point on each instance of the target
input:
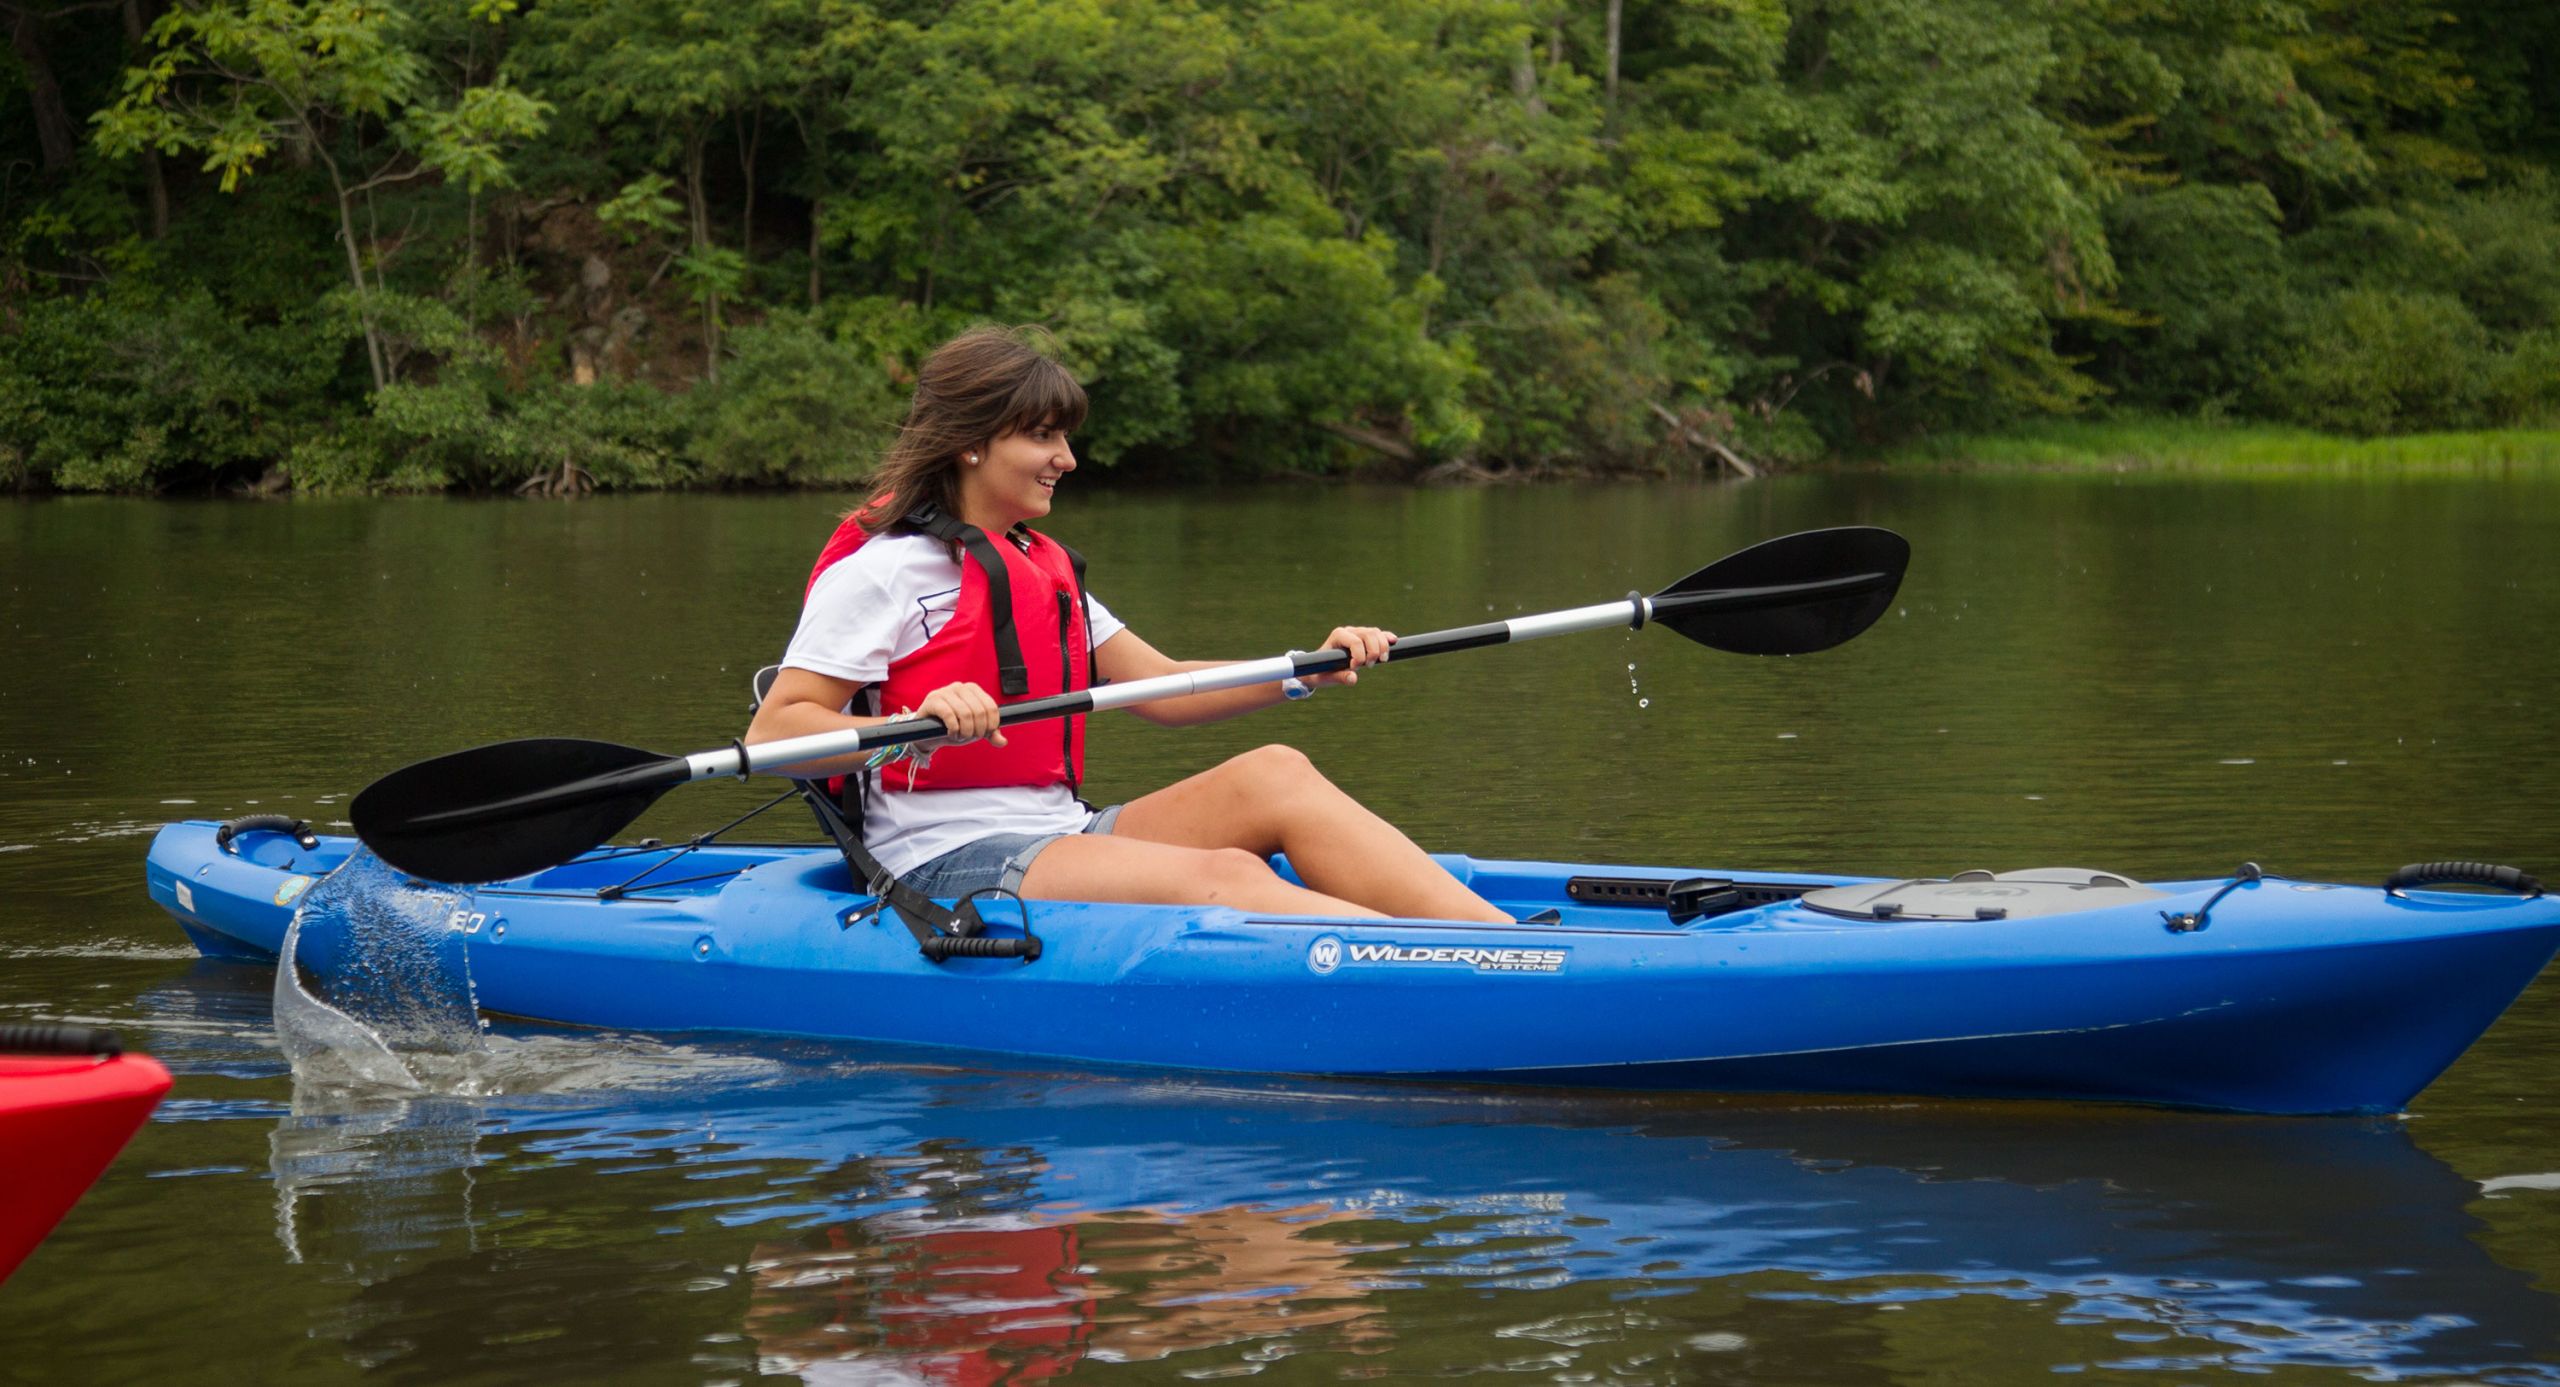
(69, 1101)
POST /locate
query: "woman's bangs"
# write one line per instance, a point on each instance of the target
(1047, 395)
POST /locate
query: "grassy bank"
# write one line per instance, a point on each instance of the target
(2098, 445)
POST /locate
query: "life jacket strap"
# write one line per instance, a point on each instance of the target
(1092, 670)
(1012, 679)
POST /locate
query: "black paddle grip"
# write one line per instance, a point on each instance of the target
(297, 829)
(54, 1038)
(943, 946)
(2462, 873)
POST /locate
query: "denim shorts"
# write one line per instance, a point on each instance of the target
(998, 860)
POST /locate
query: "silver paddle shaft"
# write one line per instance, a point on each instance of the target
(791, 752)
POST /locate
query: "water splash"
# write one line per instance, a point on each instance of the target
(372, 986)
(1641, 700)
(374, 1002)
(393, 1070)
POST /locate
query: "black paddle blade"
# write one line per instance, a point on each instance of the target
(509, 808)
(1789, 596)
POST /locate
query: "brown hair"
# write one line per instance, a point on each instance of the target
(977, 387)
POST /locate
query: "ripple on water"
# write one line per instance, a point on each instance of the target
(110, 948)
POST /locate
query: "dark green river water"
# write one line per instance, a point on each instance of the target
(2159, 675)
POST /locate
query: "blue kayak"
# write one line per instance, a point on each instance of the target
(2249, 993)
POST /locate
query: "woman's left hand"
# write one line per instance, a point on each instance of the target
(1367, 644)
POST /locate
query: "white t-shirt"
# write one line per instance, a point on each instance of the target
(882, 603)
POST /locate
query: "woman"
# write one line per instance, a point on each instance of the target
(906, 614)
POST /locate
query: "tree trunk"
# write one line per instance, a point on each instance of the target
(1524, 76)
(813, 144)
(364, 292)
(750, 135)
(355, 264)
(698, 205)
(1685, 432)
(56, 137)
(155, 185)
(932, 249)
(1384, 444)
(1609, 85)
(817, 219)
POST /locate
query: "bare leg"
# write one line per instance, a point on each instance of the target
(1114, 867)
(1272, 799)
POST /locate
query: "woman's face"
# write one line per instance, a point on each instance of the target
(1014, 478)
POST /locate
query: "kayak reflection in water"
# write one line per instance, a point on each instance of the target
(1029, 1297)
(935, 597)
(1047, 1229)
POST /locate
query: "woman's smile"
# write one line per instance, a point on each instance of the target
(1015, 478)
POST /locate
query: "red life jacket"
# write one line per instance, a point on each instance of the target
(1024, 639)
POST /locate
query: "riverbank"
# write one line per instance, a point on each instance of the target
(2131, 444)
(2114, 445)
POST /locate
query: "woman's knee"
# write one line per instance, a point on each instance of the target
(1274, 764)
(1230, 872)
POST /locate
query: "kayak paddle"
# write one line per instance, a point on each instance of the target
(511, 808)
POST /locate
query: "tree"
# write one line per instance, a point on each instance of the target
(345, 83)
(1919, 220)
(679, 72)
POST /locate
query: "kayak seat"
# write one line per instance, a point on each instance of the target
(940, 933)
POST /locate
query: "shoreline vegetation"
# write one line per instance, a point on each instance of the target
(2072, 446)
(487, 247)
(2215, 446)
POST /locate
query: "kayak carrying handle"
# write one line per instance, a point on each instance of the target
(297, 829)
(55, 1038)
(967, 936)
(2463, 873)
(942, 946)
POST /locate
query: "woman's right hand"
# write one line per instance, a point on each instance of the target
(968, 711)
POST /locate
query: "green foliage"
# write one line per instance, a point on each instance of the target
(107, 394)
(2379, 360)
(235, 82)
(643, 209)
(2204, 266)
(2414, 316)
(1283, 325)
(2508, 265)
(1561, 377)
(794, 406)
(1268, 236)
(2523, 384)
(461, 431)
